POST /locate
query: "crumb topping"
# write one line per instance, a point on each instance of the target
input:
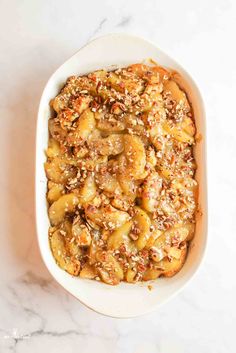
(120, 167)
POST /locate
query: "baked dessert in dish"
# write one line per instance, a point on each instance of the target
(120, 166)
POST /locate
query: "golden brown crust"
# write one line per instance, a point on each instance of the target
(120, 164)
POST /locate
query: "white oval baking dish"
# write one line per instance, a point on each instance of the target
(124, 300)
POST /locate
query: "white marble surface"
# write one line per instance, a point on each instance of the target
(35, 313)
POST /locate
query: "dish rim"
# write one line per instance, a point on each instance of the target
(203, 253)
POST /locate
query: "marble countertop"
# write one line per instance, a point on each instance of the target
(35, 313)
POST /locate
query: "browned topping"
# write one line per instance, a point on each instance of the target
(121, 168)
